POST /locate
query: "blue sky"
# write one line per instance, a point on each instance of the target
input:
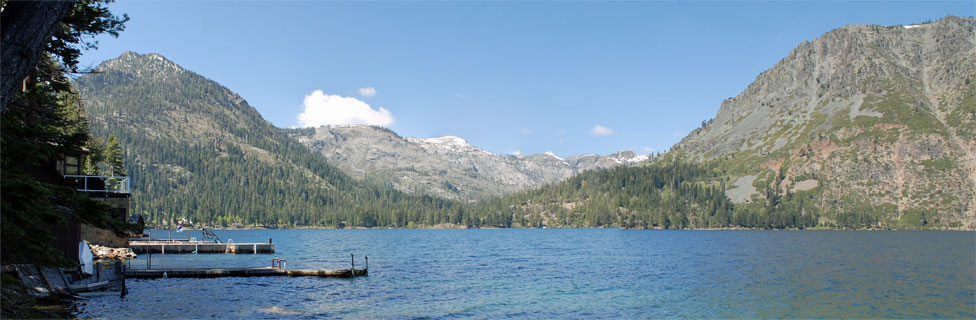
(567, 77)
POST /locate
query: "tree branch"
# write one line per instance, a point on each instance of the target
(26, 27)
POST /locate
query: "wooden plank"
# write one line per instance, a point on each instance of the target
(31, 279)
(55, 280)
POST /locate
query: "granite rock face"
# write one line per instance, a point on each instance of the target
(447, 167)
(882, 117)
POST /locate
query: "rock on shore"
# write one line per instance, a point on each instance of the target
(101, 252)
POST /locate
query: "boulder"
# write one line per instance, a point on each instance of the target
(101, 252)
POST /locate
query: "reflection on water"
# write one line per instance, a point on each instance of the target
(575, 273)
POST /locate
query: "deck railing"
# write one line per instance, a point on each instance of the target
(109, 184)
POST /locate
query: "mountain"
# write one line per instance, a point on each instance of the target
(195, 149)
(877, 120)
(865, 126)
(447, 167)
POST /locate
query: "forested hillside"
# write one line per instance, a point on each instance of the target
(195, 149)
(668, 194)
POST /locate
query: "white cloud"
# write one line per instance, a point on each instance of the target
(326, 109)
(517, 153)
(560, 132)
(526, 131)
(367, 92)
(599, 130)
(459, 96)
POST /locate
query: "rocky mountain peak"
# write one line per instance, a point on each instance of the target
(447, 144)
(447, 167)
(150, 64)
(861, 110)
(832, 73)
(549, 153)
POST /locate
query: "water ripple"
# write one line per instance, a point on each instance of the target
(591, 273)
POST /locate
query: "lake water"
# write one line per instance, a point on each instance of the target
(571, 273)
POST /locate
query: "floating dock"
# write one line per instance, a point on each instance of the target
(241, 272)
(277, 268)
(179, 246)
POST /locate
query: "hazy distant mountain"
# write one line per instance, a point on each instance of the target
(870, 119)
(447, 167)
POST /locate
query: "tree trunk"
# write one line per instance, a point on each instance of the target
(25, 27)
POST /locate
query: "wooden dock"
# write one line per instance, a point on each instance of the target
(46, 281)
(277, 268)
(241, 272)
(185, 247)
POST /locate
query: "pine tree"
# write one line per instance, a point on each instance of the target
(113, 155)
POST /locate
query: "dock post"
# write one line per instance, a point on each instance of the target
(353, 259)
(367, 263)
(255, 248)
(120, 276)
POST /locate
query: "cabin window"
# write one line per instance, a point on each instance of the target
(72, 165)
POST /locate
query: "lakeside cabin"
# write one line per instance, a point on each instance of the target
(113, 191)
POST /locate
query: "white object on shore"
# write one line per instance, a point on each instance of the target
(85, 258)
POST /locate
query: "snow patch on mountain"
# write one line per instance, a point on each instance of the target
(549, 153)
(447, 143)
(447, 140)
(638, 158)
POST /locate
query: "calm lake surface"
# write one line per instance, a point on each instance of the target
(571, 273)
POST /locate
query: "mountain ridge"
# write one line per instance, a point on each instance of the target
(196, 149)
(447, 167)
(877, 116)
(863, 127)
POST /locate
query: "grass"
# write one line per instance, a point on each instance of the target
(942, 164)
(963, 118)
(901, 107)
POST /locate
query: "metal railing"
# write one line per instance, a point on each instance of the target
(109, 184)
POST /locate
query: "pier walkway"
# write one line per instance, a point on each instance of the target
(277, 268)
(240, 272)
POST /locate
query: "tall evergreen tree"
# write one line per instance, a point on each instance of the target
(113, 155)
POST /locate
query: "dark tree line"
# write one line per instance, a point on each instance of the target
(43, 119)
